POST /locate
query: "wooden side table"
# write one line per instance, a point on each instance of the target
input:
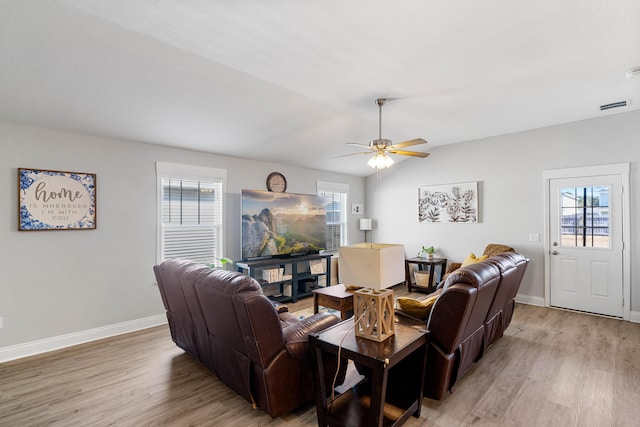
(335, 297)
(430, 265)
(394, 390)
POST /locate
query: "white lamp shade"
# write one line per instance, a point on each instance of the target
(366, 224)
(372, 265)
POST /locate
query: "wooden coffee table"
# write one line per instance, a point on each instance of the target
(335, 297)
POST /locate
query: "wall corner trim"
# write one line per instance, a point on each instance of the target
(634, 317)
(530, 300)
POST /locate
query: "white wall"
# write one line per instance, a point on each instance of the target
(60, 283)
(511, 193)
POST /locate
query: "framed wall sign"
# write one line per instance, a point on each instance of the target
(448, 203)
(55, 200)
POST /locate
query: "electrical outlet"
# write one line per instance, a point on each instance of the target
(534, 237)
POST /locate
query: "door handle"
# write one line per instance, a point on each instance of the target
(554, 253)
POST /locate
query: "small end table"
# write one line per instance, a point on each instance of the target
(336, 297)
(422, 263)
(389, 396)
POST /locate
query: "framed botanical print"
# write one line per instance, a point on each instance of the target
(448, 203)
(56, 200)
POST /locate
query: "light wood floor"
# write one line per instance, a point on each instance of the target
(552, 368)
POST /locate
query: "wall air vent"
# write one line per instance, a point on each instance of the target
(615, 105)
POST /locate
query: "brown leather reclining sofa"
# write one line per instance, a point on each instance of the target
(474, 308)
(222, 319)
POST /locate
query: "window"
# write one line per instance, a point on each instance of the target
(335, 198)
(190, 206)
(585, 216)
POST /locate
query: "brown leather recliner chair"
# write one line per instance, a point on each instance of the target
(513, 284)
(512, 266)
(474, 308)
(179, 316)
(456, 326)
(224, 320)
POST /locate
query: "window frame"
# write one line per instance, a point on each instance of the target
(188, 172)
(337, 187)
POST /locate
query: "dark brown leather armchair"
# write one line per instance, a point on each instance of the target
(223, 319)
(512, 266)
(474, 308)
(456, 326)
(179, 316)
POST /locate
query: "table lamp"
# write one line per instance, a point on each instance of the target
(366, 224)
(375, 267)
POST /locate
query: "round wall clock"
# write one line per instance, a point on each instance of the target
(276, 182)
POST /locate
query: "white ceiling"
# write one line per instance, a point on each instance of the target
(292, 81)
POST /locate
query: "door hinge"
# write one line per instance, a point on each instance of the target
(623, 302)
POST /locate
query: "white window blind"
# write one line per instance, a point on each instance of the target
(191, 206)
(335, 197)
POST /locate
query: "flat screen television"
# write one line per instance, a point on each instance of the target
(282, 224)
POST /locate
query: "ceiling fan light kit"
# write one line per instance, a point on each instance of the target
(380, 160)
(381, 148)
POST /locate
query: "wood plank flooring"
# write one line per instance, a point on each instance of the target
(552, 368)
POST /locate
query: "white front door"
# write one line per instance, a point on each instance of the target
(586, 249)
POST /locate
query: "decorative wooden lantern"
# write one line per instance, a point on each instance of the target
(373, 312)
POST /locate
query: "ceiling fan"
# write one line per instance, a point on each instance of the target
(381, 148)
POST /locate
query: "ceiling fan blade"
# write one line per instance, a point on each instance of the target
(409, 153)
(408, 143)
(351, 154)
(359, 145)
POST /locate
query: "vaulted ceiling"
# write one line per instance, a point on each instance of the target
(292, 81)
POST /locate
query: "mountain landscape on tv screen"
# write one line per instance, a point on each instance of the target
(277, 224)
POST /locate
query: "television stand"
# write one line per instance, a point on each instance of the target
(286, 279)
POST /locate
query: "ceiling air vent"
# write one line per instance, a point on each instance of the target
(614, 105)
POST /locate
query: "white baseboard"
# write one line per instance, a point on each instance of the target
(634, 316)
(68, 340)
(530, 300)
